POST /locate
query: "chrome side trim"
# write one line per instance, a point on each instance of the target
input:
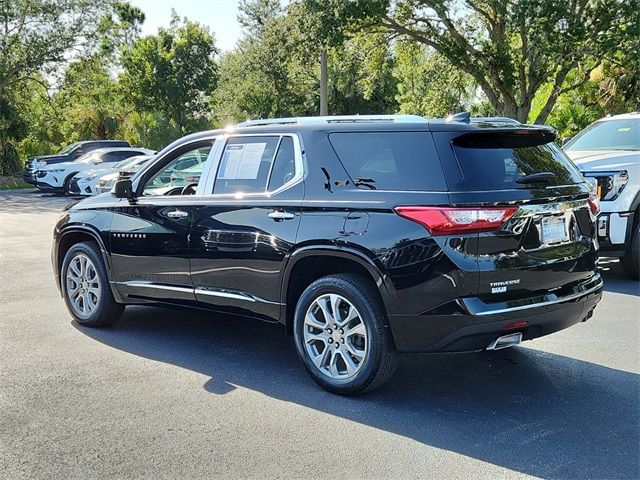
(567, 298)
(233, 295)
(140, 284)
(198, 291)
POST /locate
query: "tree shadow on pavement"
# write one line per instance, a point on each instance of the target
(537, 413)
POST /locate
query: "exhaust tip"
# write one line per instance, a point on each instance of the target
(505, 341)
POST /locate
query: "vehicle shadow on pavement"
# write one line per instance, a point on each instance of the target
(534, 412)
(616, 279)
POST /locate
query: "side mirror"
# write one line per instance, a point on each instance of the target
(123, 189)
(565, 140)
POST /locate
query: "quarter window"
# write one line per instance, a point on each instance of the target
(390, 160)
(245, 165)
(284, 166)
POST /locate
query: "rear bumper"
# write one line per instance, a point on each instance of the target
(480, 323)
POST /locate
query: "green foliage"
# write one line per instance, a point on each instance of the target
(172, 73)
(37, 36)
(274, 71)
(428, 84)
(76, 69)
(151, 130)
(510, 48)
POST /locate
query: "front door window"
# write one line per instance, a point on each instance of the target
(180, 176)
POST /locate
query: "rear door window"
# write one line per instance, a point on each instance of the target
(496, 161)
(245, 165)
(390, 160)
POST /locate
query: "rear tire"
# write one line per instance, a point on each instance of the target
(85, 286)
(342, 335)
(631, 259)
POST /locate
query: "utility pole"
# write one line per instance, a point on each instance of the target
(324, 80)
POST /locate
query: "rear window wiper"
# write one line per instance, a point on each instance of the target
(541, 177)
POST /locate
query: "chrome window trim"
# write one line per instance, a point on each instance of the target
(298, 162)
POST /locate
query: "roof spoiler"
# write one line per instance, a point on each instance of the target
(464, 117)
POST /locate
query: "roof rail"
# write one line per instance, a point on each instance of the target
(334, 119)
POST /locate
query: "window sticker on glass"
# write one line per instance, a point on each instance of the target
(241, 162)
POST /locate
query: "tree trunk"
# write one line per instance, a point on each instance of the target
(324, 80)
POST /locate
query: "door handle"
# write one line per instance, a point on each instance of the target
(281, 215)
(177, 214)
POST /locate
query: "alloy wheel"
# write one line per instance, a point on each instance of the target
(83, 285)
(335, 336)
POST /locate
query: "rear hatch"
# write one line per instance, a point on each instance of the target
(546, 240)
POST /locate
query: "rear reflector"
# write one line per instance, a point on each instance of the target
(449, 220)
(518, 324)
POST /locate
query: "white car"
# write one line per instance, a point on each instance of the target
(57, 177)
(86, 183)
(608, 153)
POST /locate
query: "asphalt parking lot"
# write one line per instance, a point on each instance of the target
(174, 394)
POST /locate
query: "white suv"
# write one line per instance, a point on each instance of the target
(608, 152)
(57, 177)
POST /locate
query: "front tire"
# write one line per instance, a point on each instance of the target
(85, 287)
(342, 335)
(631, 259)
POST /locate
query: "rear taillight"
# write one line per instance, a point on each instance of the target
(449, 220)
(594, 203)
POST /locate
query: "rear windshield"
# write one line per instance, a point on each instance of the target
(390, 160)
(498, 161)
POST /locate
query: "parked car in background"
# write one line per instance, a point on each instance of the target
(608, 153)
(57, 177)
(67, 154)
(186, 171)
(362, 235)
(86, 183)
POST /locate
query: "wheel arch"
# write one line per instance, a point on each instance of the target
(310, 263)
(76, 234)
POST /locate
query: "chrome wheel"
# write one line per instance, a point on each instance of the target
(335, 336)
(83, 285)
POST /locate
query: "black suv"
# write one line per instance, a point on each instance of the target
(67, 154)
(363, 236)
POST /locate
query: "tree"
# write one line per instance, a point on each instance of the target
(428, 84)
(36, 35)
(511, 48)
(274, 70)
(173, 73)
(39, 33)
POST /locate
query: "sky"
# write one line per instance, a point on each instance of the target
(218, 15)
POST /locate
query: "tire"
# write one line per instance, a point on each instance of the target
(89, 282)
(631, 259)
(370, 349)
(65, 184)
